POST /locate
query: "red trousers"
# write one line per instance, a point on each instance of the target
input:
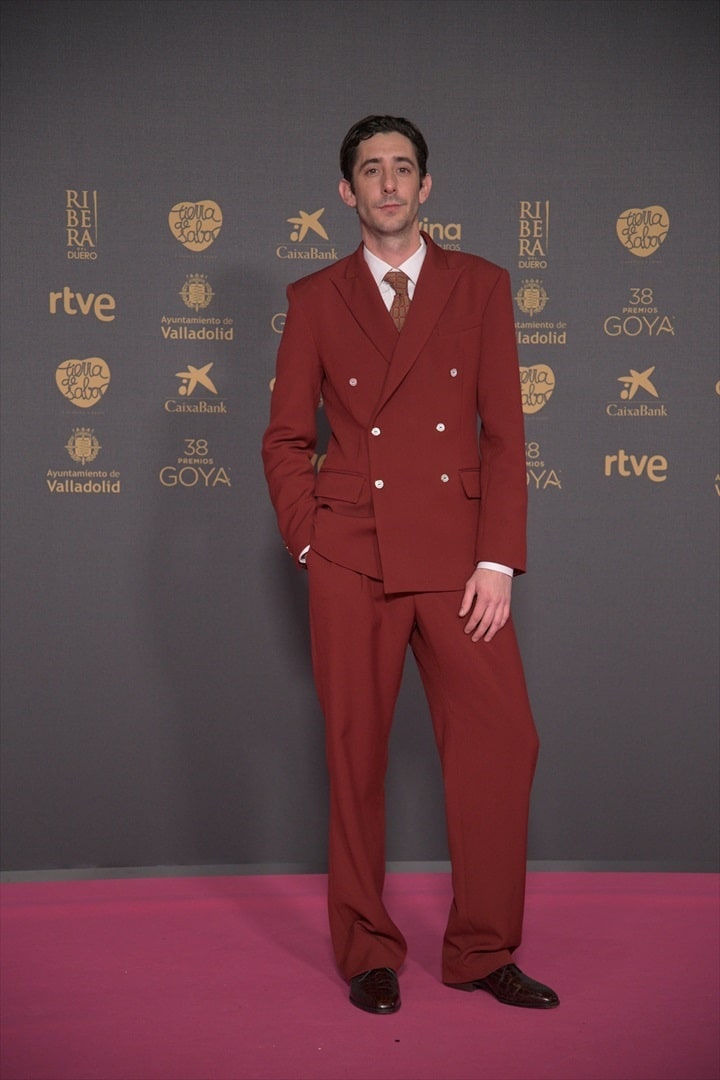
(488, 748)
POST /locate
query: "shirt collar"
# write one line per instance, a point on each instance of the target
(411, 266)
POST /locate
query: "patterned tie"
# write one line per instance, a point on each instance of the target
(401, 300)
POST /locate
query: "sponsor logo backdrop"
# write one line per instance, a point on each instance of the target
(167, 170)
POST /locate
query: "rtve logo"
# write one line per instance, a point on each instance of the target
(74, 303)
(653, 466)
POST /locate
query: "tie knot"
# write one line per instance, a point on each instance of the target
(398, 280)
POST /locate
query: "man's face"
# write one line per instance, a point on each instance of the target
(386, 188)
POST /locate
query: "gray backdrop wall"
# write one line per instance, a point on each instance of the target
(167, 169)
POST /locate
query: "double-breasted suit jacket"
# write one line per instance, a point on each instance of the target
(408, 493)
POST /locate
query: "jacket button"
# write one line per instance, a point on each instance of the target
(445, 478)
(375, 431)
(453, 372)
(353, 382)
(379, 483)
(439, 427)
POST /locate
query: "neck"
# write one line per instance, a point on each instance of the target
(392, 249)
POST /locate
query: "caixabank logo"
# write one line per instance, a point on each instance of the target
(197, 383)
(639, 396)
(308, 239)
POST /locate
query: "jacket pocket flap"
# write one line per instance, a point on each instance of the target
(458, 326)
(470, 480)
(339, 485)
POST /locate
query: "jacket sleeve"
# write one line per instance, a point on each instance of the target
(290, 439)
(502, 530)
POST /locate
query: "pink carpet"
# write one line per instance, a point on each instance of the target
(230, 978)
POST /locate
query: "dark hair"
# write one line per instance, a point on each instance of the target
(380, 125)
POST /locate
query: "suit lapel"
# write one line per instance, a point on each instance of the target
(361, 294)
(433, 289)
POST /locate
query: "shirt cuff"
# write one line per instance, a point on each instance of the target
(496, 566)
(302, 557)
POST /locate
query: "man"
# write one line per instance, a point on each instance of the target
(411, 533)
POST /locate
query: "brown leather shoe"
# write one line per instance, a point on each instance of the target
(376, 991)
(512, 987)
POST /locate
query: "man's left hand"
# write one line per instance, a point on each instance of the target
(487, 600)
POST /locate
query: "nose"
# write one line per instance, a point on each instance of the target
(388, 182)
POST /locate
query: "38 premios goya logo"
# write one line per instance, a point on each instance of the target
(195, 469)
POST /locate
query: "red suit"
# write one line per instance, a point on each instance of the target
(408, 500)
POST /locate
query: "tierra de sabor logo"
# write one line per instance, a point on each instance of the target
(101, 305)
(643, 231)
(196, 224)
(640, 317)
(537, 383)
(637, 382)
(540, 476)
(531, 298)
(306, 235)
(195, 468)
(196, 294)
(533, 234)
(83, 447)
(196, 378)
(653, 467)
(81, 224)
(83, 382)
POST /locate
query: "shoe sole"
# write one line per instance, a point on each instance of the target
(468, 988)
(376, 1012)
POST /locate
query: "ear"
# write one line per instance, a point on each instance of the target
(346, 193)
(425, 187)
